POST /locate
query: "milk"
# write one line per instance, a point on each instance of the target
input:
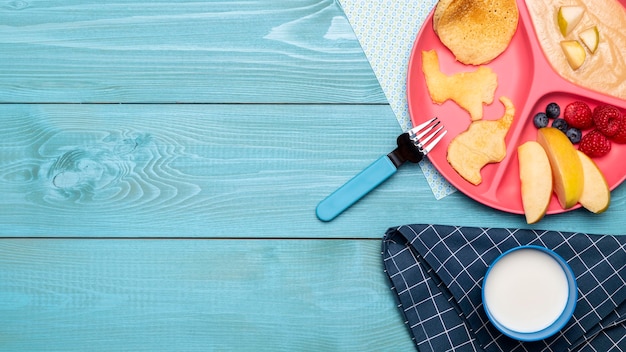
(526, 290)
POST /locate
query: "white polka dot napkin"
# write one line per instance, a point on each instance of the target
(386, 30)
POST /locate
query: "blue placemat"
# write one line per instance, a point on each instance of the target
(386, 30)
(437, 271)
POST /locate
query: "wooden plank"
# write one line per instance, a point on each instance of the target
(273, 51)
(220, 171)
(179, 170)
(196, 295)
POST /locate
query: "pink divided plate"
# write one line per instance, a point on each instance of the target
(526, 77)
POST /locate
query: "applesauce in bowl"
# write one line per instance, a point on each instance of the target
(603, 71)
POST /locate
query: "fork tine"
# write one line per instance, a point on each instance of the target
(430, 147)
(427, 131)
(413, 131)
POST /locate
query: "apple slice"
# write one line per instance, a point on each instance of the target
(567, 169)
(596, 195)
(574, 53)
(590, 37)
(568, 17)
(535, 175)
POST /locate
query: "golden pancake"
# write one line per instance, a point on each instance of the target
(470, 90)
(442, 5)
(476, 31)
(482, 143)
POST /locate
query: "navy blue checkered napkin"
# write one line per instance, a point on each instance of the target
(437, 272)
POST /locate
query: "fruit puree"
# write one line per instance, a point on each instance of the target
(604, 70)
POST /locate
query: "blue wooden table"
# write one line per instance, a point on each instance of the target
(160, 164)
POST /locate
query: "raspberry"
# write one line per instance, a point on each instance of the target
(579, 115)
(607, 119)
(594, 144)
(620, 136)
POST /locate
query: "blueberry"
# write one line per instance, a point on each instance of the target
(560, 124)
(573, 134)
(553, 110)
(540, 120)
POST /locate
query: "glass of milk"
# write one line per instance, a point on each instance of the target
(529, 293)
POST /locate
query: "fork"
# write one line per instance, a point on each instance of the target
(413, 145)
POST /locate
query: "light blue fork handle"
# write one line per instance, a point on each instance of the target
(353, 190)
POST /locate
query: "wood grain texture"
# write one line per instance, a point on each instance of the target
(269, 51)
(133, 223)
(241, 171)
(179, 170)
(196, 295)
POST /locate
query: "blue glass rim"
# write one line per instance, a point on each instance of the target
(560, 322)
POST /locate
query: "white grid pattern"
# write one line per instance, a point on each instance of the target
(437, 271)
